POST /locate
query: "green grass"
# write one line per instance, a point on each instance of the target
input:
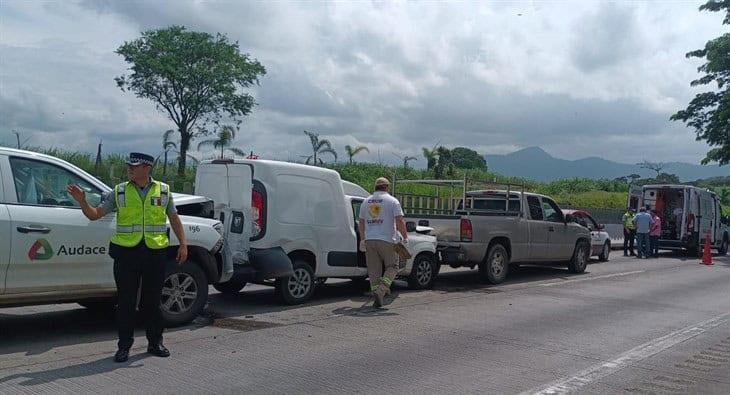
(574, 192)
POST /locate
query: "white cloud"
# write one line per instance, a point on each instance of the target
(396, 76)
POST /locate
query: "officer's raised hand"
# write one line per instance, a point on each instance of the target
(77, 193)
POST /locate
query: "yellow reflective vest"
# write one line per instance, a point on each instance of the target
(629, 220)
(137, 220)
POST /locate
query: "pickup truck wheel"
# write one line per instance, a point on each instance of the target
(184, 293)
(423, 272)
(581, 255)
(299, 287)
(603, 256)
(230, 287)
(494, 268)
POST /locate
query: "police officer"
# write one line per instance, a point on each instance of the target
(380, 215)
(139, 248)
(629, 231)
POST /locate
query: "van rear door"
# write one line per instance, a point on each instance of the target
(635, 192)
(706, 216)
(229, 184)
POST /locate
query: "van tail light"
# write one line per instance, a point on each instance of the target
(257, 208)
(465, 229)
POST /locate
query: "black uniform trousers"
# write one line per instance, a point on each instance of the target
(132, 265)
(629, 236)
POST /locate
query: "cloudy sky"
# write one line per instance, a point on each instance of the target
(577, 78)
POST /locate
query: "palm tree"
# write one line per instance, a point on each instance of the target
(354, 151)
(408, 159)
(223, 141)
(167, 145)
(319, 146)
(431, 156)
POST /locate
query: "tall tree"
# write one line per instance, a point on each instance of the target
(654, 166)
(465, 158)
(709, 112)
(319, 146)
(223, 140)
(443, 163)
(431, 156)
(194, 78)
(354, 151)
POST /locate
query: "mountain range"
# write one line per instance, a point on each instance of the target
(536, 164)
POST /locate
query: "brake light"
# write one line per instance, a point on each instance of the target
(465, 230)
(257, 208)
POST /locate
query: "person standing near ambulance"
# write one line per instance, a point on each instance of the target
(380, 215)
(139, 248)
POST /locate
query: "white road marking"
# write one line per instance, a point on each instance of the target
(598, 371)
(592, 278)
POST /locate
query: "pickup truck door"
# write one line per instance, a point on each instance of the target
(4, 244)
(230, 186)
(539, 229)
(561, 236)
(55, 247)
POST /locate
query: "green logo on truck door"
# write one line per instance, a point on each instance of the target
(40, 250)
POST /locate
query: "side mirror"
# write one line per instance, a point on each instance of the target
(410, 226)
(568, 218)
(601, 227)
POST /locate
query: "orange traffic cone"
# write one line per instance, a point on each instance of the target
(706, 253)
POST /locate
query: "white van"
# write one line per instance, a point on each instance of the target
(290, 217)
(688, 213)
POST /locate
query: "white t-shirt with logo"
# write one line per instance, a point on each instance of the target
(379, 211)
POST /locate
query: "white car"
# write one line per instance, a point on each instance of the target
(600, 239)
(51, 253)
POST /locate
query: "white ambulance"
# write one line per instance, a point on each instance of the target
(688, 214)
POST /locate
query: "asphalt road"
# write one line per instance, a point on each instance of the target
(625, 326)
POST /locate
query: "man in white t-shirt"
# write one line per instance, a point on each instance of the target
(380, 215)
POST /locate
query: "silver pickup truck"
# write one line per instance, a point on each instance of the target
(493, 228)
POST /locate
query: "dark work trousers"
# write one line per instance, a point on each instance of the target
(654, 249)
(132, 264)
(629, 236)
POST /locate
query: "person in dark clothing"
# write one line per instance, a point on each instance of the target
(138, 248)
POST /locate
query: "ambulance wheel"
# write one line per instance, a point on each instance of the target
(184, 293)
(724, 246)
(299, 287)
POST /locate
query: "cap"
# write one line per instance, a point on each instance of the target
(382, 181)
(138, 158)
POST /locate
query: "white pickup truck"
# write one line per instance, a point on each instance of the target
(51, 253)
